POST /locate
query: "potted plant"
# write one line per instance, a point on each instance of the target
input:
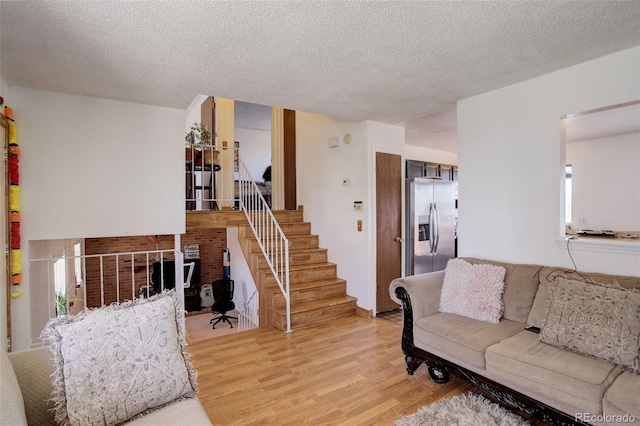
(200, 138)
(61, 303)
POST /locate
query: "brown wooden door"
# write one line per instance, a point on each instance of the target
(289, 130)
(388, 227)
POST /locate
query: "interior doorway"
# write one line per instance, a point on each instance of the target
(265, 139)
(388, 227)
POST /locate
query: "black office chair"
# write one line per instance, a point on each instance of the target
(222, 301)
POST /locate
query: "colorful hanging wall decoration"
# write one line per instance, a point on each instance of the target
(14, 203)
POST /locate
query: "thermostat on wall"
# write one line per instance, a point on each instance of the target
(358, 206)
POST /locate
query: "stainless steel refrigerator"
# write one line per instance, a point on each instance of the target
(430, 224)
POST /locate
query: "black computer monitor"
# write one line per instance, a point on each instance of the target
(168, 268)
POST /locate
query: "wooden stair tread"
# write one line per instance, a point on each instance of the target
(315, 283)
(290, 237)
(293, 252)
(316, 304)
(304, 285)
(288, 216)
(306, 250)
(302, 250)
(309, 241)
(296, 257)
(303, 266)
(304, 227)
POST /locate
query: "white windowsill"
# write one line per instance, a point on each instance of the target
(602, 245)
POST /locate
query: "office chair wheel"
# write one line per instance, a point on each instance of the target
(223, 318)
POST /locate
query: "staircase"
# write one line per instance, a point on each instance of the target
(317, 294)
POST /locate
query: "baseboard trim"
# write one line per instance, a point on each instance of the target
(361, 312)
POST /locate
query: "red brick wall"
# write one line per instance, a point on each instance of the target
(211, 241)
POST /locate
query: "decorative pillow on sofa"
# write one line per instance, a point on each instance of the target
(594, 320)
(473, 291)
(119, 361)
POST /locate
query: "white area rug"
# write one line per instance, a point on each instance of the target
(462, 410)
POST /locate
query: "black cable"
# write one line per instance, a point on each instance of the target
(575, 268)
(559, 271)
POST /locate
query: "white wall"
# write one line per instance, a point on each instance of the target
(4, 90)
(255, 150)
(511, 161)
(193, 113)
(243, 282)
(96, 167)
(328, 204)
(91, 168)
(606, 182)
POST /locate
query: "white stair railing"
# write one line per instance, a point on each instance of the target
(248, 316)
(102, 279)
(271, 239)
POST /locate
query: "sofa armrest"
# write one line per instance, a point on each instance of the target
(33, 369)
(11, 401)
(424, 292)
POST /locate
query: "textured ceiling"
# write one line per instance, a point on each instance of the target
(386, 61)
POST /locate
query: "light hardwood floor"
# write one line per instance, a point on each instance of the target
(350, 371)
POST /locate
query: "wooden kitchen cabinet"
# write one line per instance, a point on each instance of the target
(415, 168)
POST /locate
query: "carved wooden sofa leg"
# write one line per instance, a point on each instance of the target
(412, 364)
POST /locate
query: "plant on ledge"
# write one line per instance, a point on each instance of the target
(61, 303)
(199, 134)
(201, 139)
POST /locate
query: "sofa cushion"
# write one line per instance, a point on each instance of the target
(521, 283)
(622, 396)
(11, 401)
(549, 274)
(463, 337)
(594, 320)
(120, 361)
(473, 291)
(563, 379)
(539, 308)
(184, 412)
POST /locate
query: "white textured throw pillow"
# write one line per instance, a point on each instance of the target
(473, 291)
(120, 361)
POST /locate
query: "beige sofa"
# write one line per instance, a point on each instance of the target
(508, 363)
(26, 387)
